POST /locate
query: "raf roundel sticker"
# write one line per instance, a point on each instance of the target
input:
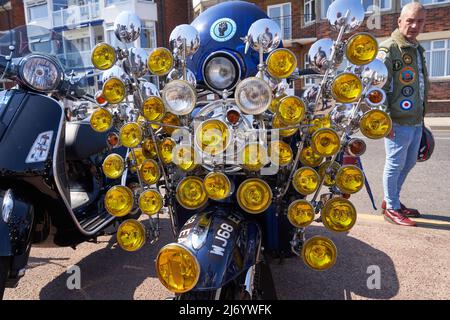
(223, 30)
(407, 75)
(381, 55)
(407, 91)
(407, 58)
(406, 104)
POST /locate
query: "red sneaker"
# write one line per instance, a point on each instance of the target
(396, 217)
(410, 213)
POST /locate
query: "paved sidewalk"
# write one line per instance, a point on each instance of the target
(438, 123)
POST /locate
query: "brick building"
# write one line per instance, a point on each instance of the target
(170, 14)
(11, 12)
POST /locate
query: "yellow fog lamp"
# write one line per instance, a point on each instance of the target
(114, 90)
(375, 124)
(280, 153)
(113, 166)
(349, 179)
(254, 195)
(177, 268)
(179, 97)
(160, 61)
(103, 56)
(149, 149)
(169, 119)
(101, 120)
(338, 215)
(153, 109)
(306, 180)
(191, 193)
(140, 158)
(291, 110)
(319, 253)
(281, 63)
(212, 136)
(217, 185)
(254, 156)
(329, 172)
(278, 123)
(301, 213)
(131, 235)
(184, 157)
(253, 96)
(361, 49)
(319, 123)
(375, 97)
(325, 142)
(309, 158)
(130, 135)
(275, 102)
(346, 88)
(119, 201)
(150, 172)
(150, 202)
(166, 147)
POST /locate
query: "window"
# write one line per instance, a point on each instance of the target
(113, 2)
(367, 4)
(309, 81)
(38, 11)
(437, 55)
(425, 2)
(148, 35)
(310, 11)
(281, 13)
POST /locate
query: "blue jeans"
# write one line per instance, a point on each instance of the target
(401, 156)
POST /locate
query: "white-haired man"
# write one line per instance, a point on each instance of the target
(407, 89)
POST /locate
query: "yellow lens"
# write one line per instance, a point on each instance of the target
(217, 185)
(130, 135)
(281, 63)
(114, 90)
(310, 159)
(103, 56)
(170, 119)
(101, 120)
(191, 193)
(306, 180)
(254, 195)
(166, 150)
(119, 201)
(212, 136)
(291, 110)
(150, 202)
(150, 171)
(375, 124)
(346, 88)
(254, 156)
(177, 268)
(131, 235)
(350, 179)
(184, 157)
(319, 123)
(330, 173)
(113, 166)
(301, 213)
(338, 215)
(276, 102)
(160, 61)
(278, 123)
(149, 149)
(361, 49)
(153, 109)
(139, 159)
(280, 153)
(325, 142)
(319, 253)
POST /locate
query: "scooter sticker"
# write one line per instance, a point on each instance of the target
(223, 30)
(41, 147)
(406, 104)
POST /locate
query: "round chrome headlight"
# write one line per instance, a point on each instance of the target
(253, 96)
(221, 71)
(179, 97)
(40, 73)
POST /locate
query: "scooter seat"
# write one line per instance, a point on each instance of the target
(82, 141)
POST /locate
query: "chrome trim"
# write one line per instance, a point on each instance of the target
(58, 182)
(226, 54)
(55, 61)
(249, 285)
(7, 205)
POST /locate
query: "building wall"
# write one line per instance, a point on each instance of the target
(17, 15)
(171, 14)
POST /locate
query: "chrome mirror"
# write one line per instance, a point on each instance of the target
(127, 27)
(115, 72)
(177, 74)
(345, 13)
(340, 115)
(136, 63)
(185, 37)
(146, 90)
(375, 71)
(319, 55)
(263, 34)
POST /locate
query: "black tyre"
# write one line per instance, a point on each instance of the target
(4, 273)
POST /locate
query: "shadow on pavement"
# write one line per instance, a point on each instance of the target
(110, 273)
(294, 280)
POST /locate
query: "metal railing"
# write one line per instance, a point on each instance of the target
(75, 15)
(294, 27)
